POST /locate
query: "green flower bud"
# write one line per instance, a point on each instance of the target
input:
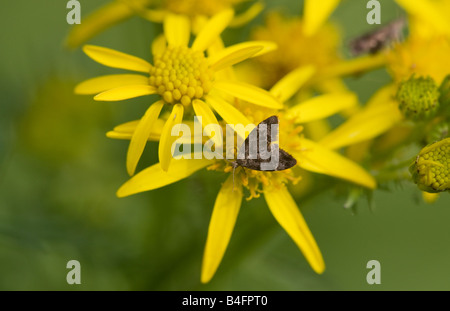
(431, 170)
(418, 98)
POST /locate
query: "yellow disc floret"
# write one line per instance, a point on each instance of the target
(431, 170)
(418, 97)
(181, 75)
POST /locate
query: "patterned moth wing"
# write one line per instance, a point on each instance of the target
(374, 41)
(259, 153)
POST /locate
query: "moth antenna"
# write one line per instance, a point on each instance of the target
(234, 165)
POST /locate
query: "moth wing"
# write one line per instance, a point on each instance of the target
(285, 161)
(243, 151)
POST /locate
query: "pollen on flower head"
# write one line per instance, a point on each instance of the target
(181, 75)
(418, 97)
(254, 181)
(431, 170)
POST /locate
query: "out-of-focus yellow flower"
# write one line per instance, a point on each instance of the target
(316, 13)
(421, 57)
(427, 18)
(418, 57)
(155, 11)
(296, 49)
(306, 40)
(182, 76)
(309, 155)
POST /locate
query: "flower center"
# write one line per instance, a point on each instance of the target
(253, 180)
(418, 97)
(431, 169)
(181, 75)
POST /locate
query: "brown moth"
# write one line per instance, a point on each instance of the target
(374, 41)
(259, 153)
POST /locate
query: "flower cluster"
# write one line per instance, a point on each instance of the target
(293, 69)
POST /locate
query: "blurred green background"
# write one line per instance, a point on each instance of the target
(59, 174)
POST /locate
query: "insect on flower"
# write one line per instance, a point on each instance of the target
(259, 153)
(374, 41)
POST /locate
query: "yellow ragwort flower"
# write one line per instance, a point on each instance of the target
(182, 76)
(295, 48)
(421, 56)
(427, 18)
(306, 40)
(155, 11)
(309, 155)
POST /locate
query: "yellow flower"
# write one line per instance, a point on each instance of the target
(295, 48)
(427, 18)
(420, 56)
(309, 155)
(182, 76)
(417, 56)
(306, 40)
(155, 11)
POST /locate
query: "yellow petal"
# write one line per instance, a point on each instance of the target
(235, 57)
(333, 85)
(154, 177)
(98, 21)
(367, 124)
(125, 92)
(141, 135)
(126, 130)
(429, 12)
(321, 107)
(266, 47)
(103, 83)
(202, 110)
(316, 13)
(159, 45)
(248, 92)
(165, 145)
(217, 47)
(228, 112)
(247, 16)
(177, 29)
(155, 16)
(430, 197)
(223, 219)
(318, 159)
(118, 135)
(290, 84)
(116, 59)
(353, 66)
(382, 96)
(129, 127)
(337, 85)
(316, 130)
(212, 29)
(286, 212)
